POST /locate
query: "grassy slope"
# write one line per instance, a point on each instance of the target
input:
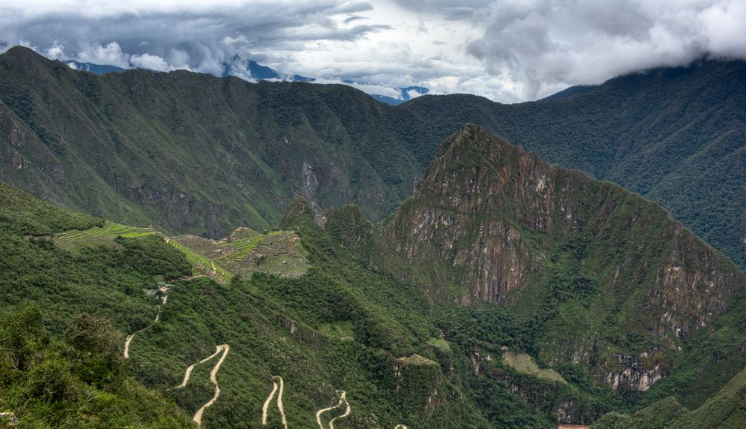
(197, 154)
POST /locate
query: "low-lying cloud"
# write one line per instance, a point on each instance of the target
(507, 50)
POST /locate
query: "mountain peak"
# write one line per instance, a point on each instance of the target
(470, 150)
(20, 53)
(473, 138)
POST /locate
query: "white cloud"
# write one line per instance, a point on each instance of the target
(56, 51)
(549, 44)
(111, 54)
(150, 62)
(507, 50)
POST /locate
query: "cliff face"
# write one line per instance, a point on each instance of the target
(196, 154)
(587, 259)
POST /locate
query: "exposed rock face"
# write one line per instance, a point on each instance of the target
(636, 373)
(491, 222)
(488, 216)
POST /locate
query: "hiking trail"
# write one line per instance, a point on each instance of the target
(214, 379)
(348, 411)
(130, 337)
(279, 402)
(225, 348)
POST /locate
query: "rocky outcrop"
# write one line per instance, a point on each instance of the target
(491, 222)
(9, 420)
(489, 216)
(634, 373)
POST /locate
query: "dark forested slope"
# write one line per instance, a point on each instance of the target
(195, 153)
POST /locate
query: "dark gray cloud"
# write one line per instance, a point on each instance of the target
(507, 50)
(450, 9)
(188, 37)
(349, 19)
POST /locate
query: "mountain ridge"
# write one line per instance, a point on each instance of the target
(365, 326)
(492, 223)
(683, 151)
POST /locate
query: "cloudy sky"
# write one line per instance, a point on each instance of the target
(506, 50)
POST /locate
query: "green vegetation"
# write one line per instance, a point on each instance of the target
(573, 263)
(582, 280)
(725, 410)
(99, 235)
(80, 382)
(23, 214)
(525, 364)
(193, 154)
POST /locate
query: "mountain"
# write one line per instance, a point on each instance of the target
(128, 146)
(253, 70)
(94, 68)
(569, 92)
(405, 94)
(608, 280)
(343, 342)
(332, 319)
(725, 410)
(247, 69)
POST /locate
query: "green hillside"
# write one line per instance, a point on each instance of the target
(725, 410)
(195, 154)
(357, 326)
(60, 349)
(601, 285)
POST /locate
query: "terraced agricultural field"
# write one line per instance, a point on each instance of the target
(244, 252)
(278, 252)
(524, 363)
(99, 236)
(202, 265)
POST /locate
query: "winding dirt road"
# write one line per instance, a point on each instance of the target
(129, 338)
(225, 348)
(348, 411)
(189, 370)
(280, 406)
(401, 427)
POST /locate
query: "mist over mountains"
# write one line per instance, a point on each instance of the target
(184, 250)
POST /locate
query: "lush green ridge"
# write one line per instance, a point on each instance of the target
(387, 361)
(725, 410)
(201, 155)
(402, 357)
(600, 284)
(58, 370)
(78, 383)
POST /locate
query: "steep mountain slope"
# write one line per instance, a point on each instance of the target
(605, 279)
(339, 327)
(190, 152)
(675, 135)
(380, 350)
(130, 146)
(726, 410)
(74, 378)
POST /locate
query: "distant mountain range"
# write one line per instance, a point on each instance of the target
(405, 94)
(251, 70)
(94, 68)
(126, 145)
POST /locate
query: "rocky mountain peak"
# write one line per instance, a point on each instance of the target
(495, 220)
